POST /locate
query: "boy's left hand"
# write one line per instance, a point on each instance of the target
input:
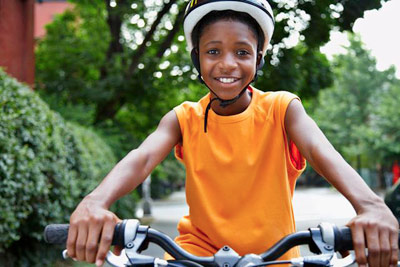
(375, 228)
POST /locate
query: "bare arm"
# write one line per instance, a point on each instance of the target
(374, 224)
(133, 169)
(92, 221)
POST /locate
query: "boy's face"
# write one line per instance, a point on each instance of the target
(228, 57)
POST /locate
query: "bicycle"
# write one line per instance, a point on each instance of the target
(324, 241)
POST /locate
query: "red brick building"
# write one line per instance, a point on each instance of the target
(21, 21)
(16, 39)
(44, 14)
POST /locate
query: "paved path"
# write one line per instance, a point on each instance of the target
(311, 206)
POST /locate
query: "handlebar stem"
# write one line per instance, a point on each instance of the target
(226, 257)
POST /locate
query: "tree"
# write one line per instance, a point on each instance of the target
(386, 114)
(302, 68)
(68, 60)
(145, 36)
(348, 111)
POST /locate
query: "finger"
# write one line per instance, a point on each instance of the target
(105, 241)
(384, 247)
(394, 245)
(72, 235)
(372, 236)
(357, 233)
(117, 250)
(92, 242)
(344, 253)
(81, 243)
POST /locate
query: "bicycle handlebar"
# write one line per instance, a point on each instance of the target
(58, 234)
(325, 239)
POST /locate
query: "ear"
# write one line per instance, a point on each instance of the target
(194, 54)
(260, 60)
(259, 64)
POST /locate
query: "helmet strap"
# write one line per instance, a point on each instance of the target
(223, 103)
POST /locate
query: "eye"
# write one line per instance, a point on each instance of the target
(243, 52)
(213, 52)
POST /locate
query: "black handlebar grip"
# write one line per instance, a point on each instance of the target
(56, 233)
(343, 239)
(119, 234)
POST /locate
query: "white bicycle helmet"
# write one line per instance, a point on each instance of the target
(259, 10)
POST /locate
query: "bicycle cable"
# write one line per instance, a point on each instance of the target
(173, 265)
(184, 262)
(270, 263)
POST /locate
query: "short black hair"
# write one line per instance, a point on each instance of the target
(229, 15)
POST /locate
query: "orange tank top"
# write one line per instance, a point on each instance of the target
(240, 176)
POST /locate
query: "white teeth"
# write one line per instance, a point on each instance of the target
(226, 80)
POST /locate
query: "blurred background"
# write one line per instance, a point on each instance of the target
(84, 82)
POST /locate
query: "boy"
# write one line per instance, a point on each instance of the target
(243, 150)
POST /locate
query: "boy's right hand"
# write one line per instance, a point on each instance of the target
(91, 231)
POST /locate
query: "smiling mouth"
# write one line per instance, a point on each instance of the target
(227, 80)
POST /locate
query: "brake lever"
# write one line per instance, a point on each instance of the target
(319, 260)
(346, 261)
(122, 260)
(65, 255)
(113, 260)
(324, 260)
(134, 244)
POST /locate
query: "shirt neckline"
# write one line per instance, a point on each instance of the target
(212, 116)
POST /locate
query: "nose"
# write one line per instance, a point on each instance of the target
(227, 63)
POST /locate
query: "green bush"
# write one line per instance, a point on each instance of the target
(167, 177)
(46, 166)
